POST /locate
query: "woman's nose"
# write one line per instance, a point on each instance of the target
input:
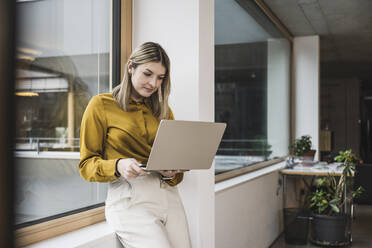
(153, 82)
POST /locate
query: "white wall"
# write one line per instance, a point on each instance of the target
(249, 214)
(186, 31)
(306, 88)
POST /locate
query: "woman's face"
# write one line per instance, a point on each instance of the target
(146, 78)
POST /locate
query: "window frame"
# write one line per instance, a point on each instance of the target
(120, 20)
(260, 165)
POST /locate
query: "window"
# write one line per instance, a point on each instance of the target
(63, 59)
(252, 80)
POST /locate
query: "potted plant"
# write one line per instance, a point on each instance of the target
(302, 149)
(331, 202)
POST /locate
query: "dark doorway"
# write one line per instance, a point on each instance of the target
(366, 123)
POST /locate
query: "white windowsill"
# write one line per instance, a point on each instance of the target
(99, 235)
(49, 155)
(247, 177)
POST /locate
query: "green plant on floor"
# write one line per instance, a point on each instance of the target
(331, 194)
(301, 145)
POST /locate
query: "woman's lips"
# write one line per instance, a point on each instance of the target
(148, 90)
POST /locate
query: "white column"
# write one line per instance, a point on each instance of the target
(185, 29)
(306, 88)
(206, 208)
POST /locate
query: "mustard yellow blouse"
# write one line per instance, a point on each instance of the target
(109, 133)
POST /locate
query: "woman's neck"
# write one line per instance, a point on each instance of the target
(137, 97)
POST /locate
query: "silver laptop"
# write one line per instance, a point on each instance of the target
(185, 145)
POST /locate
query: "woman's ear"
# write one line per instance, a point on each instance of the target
(130, 67)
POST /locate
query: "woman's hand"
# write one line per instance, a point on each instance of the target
(170, 173)
(129, 168)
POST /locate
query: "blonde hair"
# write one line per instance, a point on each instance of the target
(145, 53)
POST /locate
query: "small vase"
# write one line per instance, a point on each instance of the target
(308, 158)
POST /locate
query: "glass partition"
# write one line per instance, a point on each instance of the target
(252, 76)
(63, 51)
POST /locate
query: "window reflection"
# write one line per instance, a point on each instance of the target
(62, 61)
(51, 95)
(251, 85)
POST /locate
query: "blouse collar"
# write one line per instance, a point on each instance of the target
(146, 101)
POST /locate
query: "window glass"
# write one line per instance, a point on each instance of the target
(62, 61)
(252, 75)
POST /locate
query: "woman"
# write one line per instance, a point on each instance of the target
(117, 133)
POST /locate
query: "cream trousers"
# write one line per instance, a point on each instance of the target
(147, 213)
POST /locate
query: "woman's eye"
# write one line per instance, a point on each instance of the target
(161, 78)
(147, 74)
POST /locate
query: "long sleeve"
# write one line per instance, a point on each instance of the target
(92, 165)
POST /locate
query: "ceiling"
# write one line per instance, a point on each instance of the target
(344, 27)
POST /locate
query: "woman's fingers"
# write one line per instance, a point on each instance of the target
(134, 171)
(172, 173)
(168, 173)
(129, 175)
(137, 169)
(129, 168)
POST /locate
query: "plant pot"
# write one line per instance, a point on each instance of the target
(296, 225)
(308, 158)
(329, 230)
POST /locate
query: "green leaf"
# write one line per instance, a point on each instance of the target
(320, 181)
(335, 208)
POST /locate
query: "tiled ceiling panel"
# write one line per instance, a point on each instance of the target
(344, 26)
